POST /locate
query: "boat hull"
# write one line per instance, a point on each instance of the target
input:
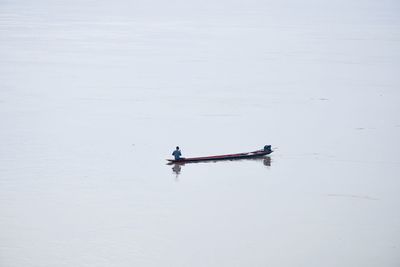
(249, 155)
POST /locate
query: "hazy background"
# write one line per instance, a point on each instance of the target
(95, 95)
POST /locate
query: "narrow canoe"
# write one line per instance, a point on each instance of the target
(254, 154)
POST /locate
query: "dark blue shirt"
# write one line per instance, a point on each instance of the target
(177, 154)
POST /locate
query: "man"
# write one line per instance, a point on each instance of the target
(267, 148)
(177, 153)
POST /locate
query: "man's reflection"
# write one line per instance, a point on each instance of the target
(267, 161)
(177, 169)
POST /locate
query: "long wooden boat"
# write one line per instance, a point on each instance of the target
(255, 154)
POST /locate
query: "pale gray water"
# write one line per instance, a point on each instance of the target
(95, 95)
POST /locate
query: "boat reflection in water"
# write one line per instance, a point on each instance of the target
(177, 167)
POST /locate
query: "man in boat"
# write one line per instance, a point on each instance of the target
(267, 148)
(177, 153)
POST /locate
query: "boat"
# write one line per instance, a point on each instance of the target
(248, 155)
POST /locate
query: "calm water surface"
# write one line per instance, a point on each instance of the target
(94, 96)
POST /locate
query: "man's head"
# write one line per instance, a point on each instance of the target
(177, 148)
